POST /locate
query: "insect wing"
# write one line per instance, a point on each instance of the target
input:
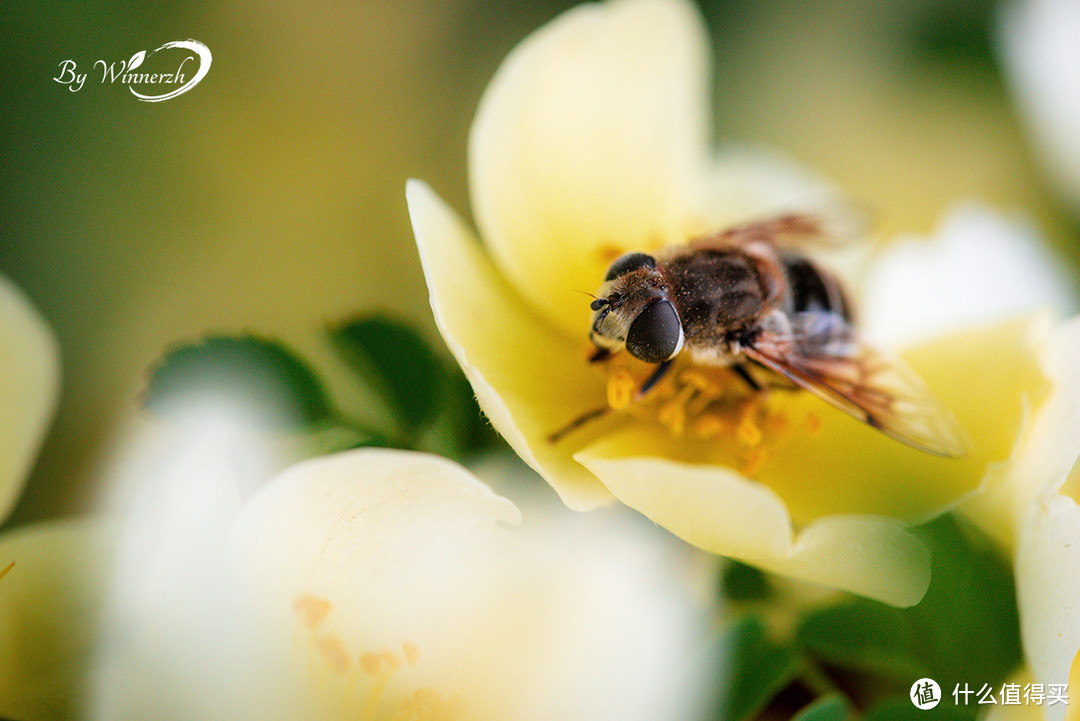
(824, 355)
(831, 226)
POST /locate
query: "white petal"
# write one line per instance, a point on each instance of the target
(410, 549)
(29, 383)
(1048, 592)
(589, 141)
(979, 267)
(1039, 42)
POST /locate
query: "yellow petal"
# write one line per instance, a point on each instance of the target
(528, 378)
(50, 604)
(29, 382)
(719, 511)
(589, 141)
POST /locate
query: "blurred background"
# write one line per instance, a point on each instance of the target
(270, 198)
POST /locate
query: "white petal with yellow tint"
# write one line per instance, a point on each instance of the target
(29, 383)
(50, 607)
(394, 573)
(1038, 496)
(590, 141)
(719, 511)
(980, 267)
(1048, 591)
(528, 378)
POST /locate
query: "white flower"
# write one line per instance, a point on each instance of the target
(382, 585)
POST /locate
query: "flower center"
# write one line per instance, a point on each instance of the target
(366, 674)
(711, 404)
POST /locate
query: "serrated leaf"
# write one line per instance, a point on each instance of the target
(256, 379)
(828, 708)
(759, 669)
(965, 629)
(136, 60)
(395, 362)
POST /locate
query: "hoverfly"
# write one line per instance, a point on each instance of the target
(749, 298)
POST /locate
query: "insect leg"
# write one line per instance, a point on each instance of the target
(601, 354)
(740, 370)
(659, 373)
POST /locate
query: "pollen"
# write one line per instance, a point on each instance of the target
(412, 653)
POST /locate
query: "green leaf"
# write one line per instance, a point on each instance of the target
(255, 378)
(739, 582)
(905, 710)
(966, 628)
(759, 669)
(395, 362)
(827, 708)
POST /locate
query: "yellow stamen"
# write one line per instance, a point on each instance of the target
(332, 649)
(709, 426)
(753, 461)
(7, 569)
(311, 609)
(747, 432)
(673, 415)
(370, 663)
(620, 388)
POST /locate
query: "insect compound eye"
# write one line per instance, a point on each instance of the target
(629, 262)
(656, 334)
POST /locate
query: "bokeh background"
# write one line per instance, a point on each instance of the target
(270, 198)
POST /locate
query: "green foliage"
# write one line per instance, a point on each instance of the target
(739, 582)
(827, 708)
(256, 378)
(861, 657)
(263, 381)
(395, 362)
(966, 629)
(759, 668)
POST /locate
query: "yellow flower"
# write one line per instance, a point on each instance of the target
(590, 141)
(380, 584)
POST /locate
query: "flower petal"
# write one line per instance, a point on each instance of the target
(589, 141)
(1037, 40)
(528, 378)
(398, 569)
(1048, 592)
(50, 604)
(980, 267)
(29, 383)
(719, 511)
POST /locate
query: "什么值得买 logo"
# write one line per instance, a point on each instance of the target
(174, 68)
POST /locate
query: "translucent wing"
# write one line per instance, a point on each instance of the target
(823, 354)
(830, 226)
